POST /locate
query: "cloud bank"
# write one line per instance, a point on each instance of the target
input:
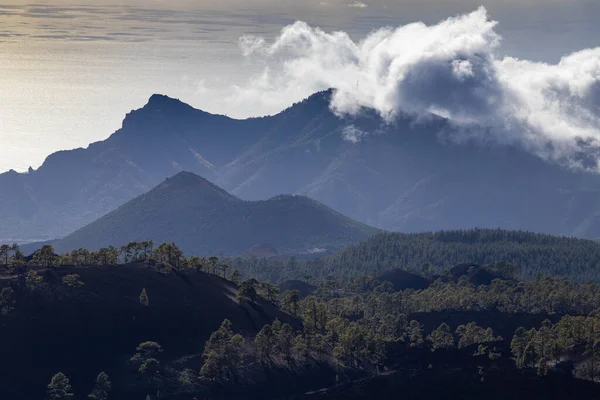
(451, 70)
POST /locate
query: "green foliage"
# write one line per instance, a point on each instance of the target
(144, 298)
(290, 302)
(187, 378)
(353, 343)
(7, 300)
(415, 334)
(235, 276)
(168, 254)
(247, 291)
(471, 334)
(136, 251)
(314, 313)
(5, 250)
(106, 256)
(284, 341)
(518, 344)
(59, 388)
(222, 354)
(502, 251)
(45, 257)
(301, 345)
(268, 291)
(264, 343)
(196, 263)
(11, 255)
(146, 359)
(441, 338)
(81, 256)
(101, 388)
(33, 280)
(73, 281)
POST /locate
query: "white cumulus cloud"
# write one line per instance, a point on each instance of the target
(449, 69)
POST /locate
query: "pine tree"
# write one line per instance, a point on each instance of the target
(59, 388)
(33, 280)
(284, 342)
(290, 302)
(101, 387)
(415, 333)
(46, 256)
(441, 338)
(144, 298)
(247, 291)
(73, 281)
(222, 353)
(264, 343)
(235, 276)
(518, 344)
(146, 358)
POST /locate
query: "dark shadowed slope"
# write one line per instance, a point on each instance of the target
(82, 331)
(205, 220)
(406, 175)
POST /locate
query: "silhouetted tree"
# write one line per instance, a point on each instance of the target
(146, 359)
(46, 256)
(33, 280)
(415, 333)
(222, 354)
(247, 290)
(101, 387)
(59, 388)
(235, 276)
(290, 302)
(269, 291)
(168, 254)
(264, 343)
(144, 298)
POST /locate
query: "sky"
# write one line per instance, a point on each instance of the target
(71, 70)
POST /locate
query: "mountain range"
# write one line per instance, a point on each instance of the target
(203, 219)
(404, 175)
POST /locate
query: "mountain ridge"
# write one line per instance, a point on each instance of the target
(407, 175)
(203, 219)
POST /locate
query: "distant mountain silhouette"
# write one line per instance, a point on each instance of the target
(203, 219)
(406, 175)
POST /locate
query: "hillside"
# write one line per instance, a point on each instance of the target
(534, 253)
(354, 338)
(578, 259)
(407, 176)
(205, 220)
(97, 327)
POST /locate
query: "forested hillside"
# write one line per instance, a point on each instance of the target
(437, 252)
(204, 219)
(137, 323)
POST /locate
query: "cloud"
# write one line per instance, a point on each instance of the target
(352, 134)
(357, 4)
(449, 69)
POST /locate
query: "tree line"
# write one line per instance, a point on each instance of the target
(533, 253)
(166, 255)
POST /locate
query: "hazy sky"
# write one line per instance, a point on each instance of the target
(71, 70)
